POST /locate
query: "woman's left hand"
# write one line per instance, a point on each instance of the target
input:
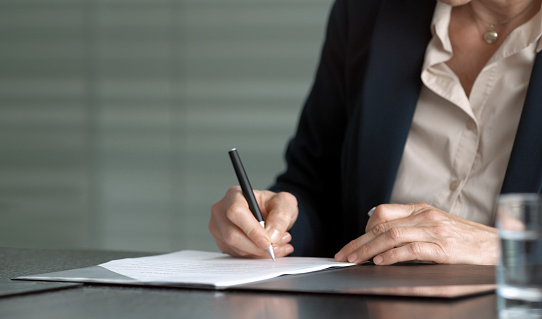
(397, 233)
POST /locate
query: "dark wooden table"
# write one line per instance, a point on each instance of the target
(100, 301)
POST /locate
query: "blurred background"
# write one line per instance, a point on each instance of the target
(116, 115)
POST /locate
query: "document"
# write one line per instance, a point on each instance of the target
(209, 270)
(214, 269)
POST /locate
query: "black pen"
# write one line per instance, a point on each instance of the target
(248, 192)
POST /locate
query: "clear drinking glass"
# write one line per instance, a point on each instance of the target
(519, 273)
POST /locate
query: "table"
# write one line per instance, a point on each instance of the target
(100, 301)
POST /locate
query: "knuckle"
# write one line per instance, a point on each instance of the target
(379, 212)
(282, 217)
(212, 227)
(251, 233)
(418, 206)
(233, 214)
(352, 246)
(288, 197)
(431, 214)
(394, 234)
(382, 208)
(379, 229)
(415, 249)
(216, 210)
(392, 255)
(366, 250)
(440, 230)
(232, 238)
(234, 190)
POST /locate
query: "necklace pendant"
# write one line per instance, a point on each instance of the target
(490, 36)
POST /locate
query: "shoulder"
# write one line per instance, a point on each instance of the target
(359, 15)
(371, 8)
(356, 10)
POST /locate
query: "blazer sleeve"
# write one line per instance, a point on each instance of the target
(313, 155)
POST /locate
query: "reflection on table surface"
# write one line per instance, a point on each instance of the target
(132, 302)
(342, 306)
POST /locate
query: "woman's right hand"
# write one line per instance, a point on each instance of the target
(238, 233)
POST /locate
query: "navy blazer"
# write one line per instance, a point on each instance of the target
(344, 157)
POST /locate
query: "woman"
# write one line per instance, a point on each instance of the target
(413, 102)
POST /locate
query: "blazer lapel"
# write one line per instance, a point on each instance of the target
(524, 172)
(390, 92)
(392, 88)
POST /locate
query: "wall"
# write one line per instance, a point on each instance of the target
(116, 116)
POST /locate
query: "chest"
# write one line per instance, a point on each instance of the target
(470, 53)
(467, 66)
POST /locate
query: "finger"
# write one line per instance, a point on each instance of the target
(246, 252)
(393, 219)
(236, 230)
(371, 234)
(239, 215)
(231, 217)
(230, 239)
(243, 247)
(279, 251)
(280, 212)
(381, 238)
(286, 238)
(352, 247)
(412, 251)
(389, 212)
(283, 250)
(393, 238)
(241, 250)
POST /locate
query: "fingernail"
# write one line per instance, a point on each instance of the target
(339, 256)
(378, 260)
(353, 257)
(274, 236)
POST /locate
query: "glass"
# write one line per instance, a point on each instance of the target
(519, 273)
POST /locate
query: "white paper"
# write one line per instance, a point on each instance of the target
(215, 269)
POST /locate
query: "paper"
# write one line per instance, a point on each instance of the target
(215, 269)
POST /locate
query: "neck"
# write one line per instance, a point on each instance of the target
(497, 11)
(498, 18)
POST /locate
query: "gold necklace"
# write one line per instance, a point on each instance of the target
(490, 36)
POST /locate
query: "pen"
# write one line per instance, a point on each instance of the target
(248, 192)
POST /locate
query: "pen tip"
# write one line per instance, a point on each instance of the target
(271, 253)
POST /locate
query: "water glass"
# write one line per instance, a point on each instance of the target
(519, 273)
